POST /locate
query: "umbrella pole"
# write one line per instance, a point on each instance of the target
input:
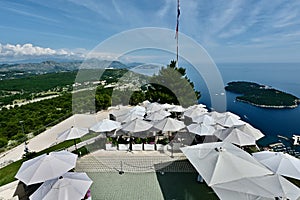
(171, 143)
(75, 145)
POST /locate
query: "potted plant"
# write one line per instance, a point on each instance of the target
(137, 144)
(123, 147)
(111, 144)
(161, 144)
(123, 143)
(149, 144)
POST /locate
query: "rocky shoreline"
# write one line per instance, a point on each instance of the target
(269, 106)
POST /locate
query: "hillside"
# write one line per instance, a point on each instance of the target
(11, 71)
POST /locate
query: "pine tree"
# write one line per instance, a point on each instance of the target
(172, 85)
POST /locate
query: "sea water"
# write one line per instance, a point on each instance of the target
(272, 122)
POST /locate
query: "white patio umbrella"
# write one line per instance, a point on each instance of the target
(72, 133)
(167, 106)
(280, 163)
(204, 118)
(217, 115)
(201, 129)
(221, 162)
(247, 128)
(235, 136)
(169, 125)
(106, 125)
(137, 128)
(145, 103)
(129, 117)
(193, 112)
(229, 121)
(197, 106)
(153, 107)
(263, 187)
(136, 125)
(158, 115)
(228, 113)
(139, 110)
(218, 127)
(46, 167)
(70, 186)
(119, 111)
(177, 108)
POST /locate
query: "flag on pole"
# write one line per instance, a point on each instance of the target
(178, 14)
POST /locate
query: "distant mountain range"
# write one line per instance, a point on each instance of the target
(18, 70)
(53, 66)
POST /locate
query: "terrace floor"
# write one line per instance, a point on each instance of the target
(142, 175)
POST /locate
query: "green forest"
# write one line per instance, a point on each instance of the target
(171, 85)
(35, 86)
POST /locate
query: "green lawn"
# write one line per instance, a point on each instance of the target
(8, 172)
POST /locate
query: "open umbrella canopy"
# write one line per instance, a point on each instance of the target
(177, 108)
(204, 118)
(169, 125)
(280, 163)
(119, 111)
(137, 125)
(196, 106)
(221, 162)
(235, 136)
(46, 167)
(129, 117)
(158, 115)
(139, 110)
(167, 106)
(250, 130)
(72, 133)
(227, 113)
(106, 125)
(69, 186)
(153, 107)
(229, 121)
(217, 115)
(201, 129)
(145, 103)
(193, 112)
(267, 187)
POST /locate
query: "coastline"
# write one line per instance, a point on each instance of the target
(268, 106)
(257, 94)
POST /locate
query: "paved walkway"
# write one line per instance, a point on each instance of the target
(135, 162)
(48, 137)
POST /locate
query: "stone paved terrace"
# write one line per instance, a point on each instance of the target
(135, 162)
(148, 175)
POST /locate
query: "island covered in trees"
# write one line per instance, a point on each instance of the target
(262, 95)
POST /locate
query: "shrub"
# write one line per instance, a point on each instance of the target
(3, 142)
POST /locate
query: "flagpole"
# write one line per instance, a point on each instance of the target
(177, 28)
(177, 50)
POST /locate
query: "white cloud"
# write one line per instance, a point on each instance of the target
(225, 15)
(29, 51)
(165, 9)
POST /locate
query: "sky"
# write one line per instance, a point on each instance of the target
(230, 31)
